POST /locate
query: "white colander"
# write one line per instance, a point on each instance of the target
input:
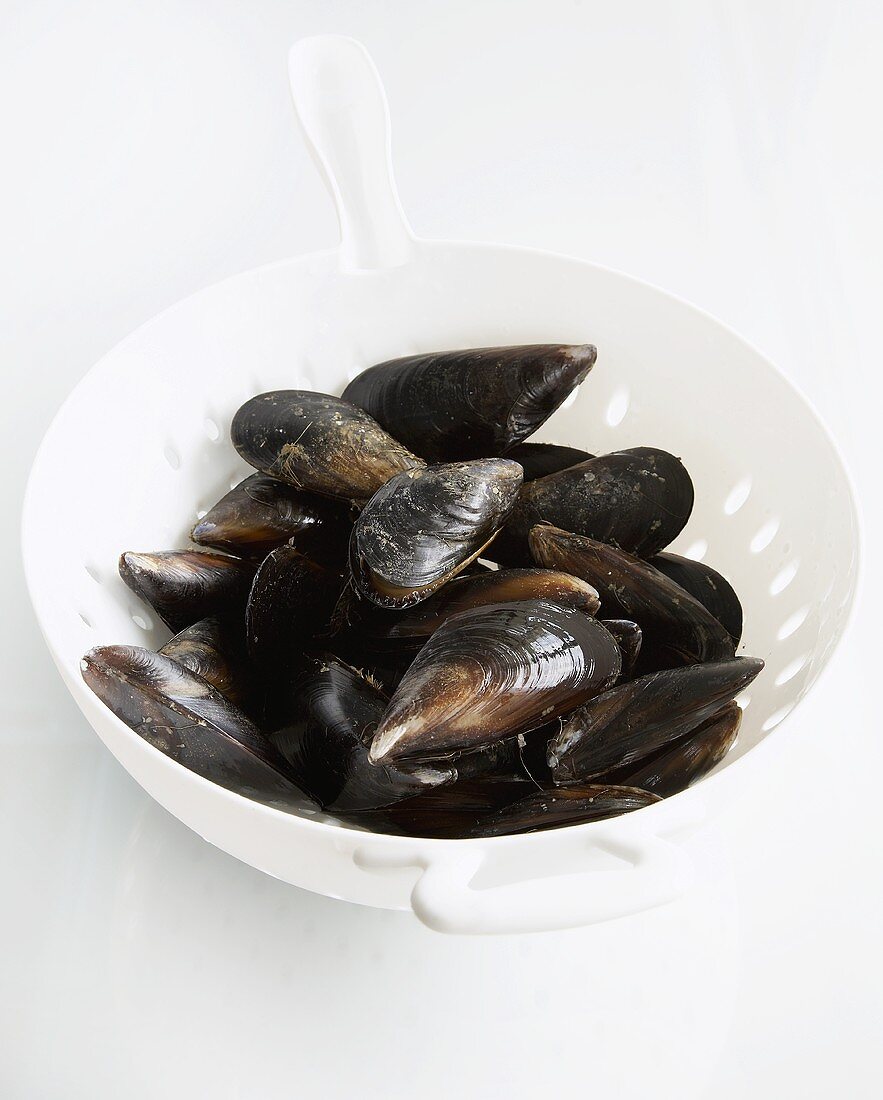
(140, 450)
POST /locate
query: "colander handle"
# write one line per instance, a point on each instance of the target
(654, 871)
(342, 107)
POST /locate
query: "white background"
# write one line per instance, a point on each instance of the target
(730, 152)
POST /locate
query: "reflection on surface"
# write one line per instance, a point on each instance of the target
(182, 972)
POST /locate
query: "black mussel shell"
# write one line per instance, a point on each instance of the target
(335, 710)
(495, 672)
(498, 760)
(184, 586)
(638, 500)
(628, 637)
(447, 812)
(415, 624)
(686, 760)
(214, 648)
(261, 513)
(423, 526)
(555, 808)
(455, 405)
(540, 459)
(187, 719)
(706, 585)
(386, 664)
(676, 629)
(291, 601)
(631, 721)
(318, 443)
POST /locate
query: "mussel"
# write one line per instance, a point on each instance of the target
(637, 499)
(183, 586)
(686, 760)
(335, 710)
(455, 405)
(291, 601)
(186, 718)
(494, 672)
(676, 629)
(214, 648)
(261, 513)
(498, 760)
(318, 443)
(446, 812)
(628, 637)
(561, 806)
(706, 585)
(415, 624)
(631, 721)
(540, 459)
(423, 526)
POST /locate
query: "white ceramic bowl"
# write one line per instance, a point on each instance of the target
(141, 447)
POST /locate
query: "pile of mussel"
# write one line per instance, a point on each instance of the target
(413, 620)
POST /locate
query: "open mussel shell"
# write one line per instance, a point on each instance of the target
(261, 513)
(676, 628)
(637, 499)
(555, 808)
(187, 719)
(494, 672)
(291, 601)
(628, 637)
(688, 759)
(214, 648)
(335, 710)
(637, 718)
(449, 406)
(423, 526)
(706, 585)
(318, 443)
(540, 459)
(414, 625)
(184, 586)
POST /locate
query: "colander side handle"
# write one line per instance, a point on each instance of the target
(339, 99)
(654, 871)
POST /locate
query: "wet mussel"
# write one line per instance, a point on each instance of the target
(637, 500)
(423, 526)
(447, 406)
(182, 715)
(634, 719)
(494, 672)
(261, 513)
(214, 648)
(318, 443)
(676, 629)
(417, 620)
(413, 625)
(184, 586)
